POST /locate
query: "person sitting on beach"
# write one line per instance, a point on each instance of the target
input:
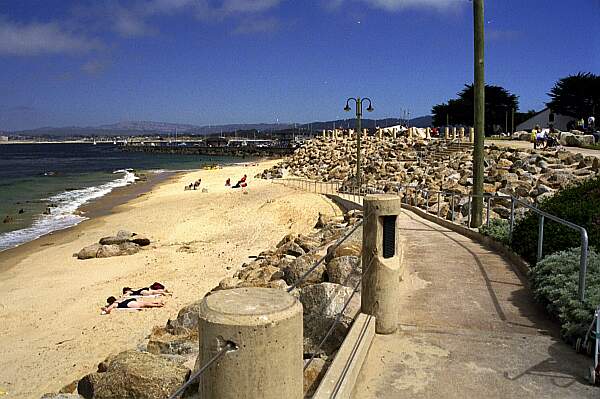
(154, 289)
(131, 303)
(243, 179)
(228, 182)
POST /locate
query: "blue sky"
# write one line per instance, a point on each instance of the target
(206, 62)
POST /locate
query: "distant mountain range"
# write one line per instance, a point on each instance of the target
(130, 128)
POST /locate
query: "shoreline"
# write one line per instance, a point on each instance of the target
(96, 208)
(53, 332)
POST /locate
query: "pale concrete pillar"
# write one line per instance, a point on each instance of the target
(394, 134)
(266, 326)
(410, 132)
(324, 133)
(453, 133)
(428, 133)
(462, 133)
(365, 133)
(381, 261)
(350, 133)
(380, 133)
(472, 134)
(446, 133)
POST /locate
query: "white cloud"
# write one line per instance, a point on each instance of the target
(397, 5)
(248, 6)
(41, 38)
(133, 21)
(95, 67)
(129, 24)
(257, 25)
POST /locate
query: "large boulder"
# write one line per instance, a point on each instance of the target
(124, 236)
(299, 266)
(161, 341)
(187, 319)
(107, 251)
(344, 270)
(139, 239)
(307, 244)
(89, 252)
(347, 248)
(322, 303)
(112, 240)
(140, 375)
(86, 386)
(291, 248)
(259, 276)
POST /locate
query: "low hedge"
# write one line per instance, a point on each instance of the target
(554, 281)
(498, 230)
(579, 204)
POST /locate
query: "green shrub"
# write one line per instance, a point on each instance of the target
(554, 281)
(498, 230)
(579, 204)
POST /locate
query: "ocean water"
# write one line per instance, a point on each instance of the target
(59, 178)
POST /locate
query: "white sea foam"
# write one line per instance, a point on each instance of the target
(63, 215)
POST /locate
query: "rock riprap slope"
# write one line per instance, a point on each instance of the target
(530, 175)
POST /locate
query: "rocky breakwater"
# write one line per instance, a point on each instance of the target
(407, 164)
(164, 361)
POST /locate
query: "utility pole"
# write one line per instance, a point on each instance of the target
(479, 86)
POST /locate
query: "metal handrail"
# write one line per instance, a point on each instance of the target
(488, 197)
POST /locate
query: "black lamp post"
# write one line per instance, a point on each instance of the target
(358, 101)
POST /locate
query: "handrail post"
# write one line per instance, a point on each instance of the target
(512, 218)
(469, 212)
(540, 245)
(487, 219)
(438, 199)
(583, 264)
(452, 199)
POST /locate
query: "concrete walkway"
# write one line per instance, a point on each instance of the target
(468, 329)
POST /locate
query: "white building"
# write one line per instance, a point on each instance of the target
(3, 138)
(545, 118)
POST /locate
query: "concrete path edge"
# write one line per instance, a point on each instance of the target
(341, 376)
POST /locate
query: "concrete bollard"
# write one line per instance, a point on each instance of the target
(472, 134)
(395, 134)
(410, 132)
(323, 133)
(365, 133)
(428, 133)
(446, 133)
(381, 261)
(462, 133)
(266, 326)
(454, 134)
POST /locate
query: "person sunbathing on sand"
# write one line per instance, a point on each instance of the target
(154, 289)
(131, 303)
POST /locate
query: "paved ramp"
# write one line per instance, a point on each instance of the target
(468, 329)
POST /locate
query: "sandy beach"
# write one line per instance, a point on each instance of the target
(52, 330)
